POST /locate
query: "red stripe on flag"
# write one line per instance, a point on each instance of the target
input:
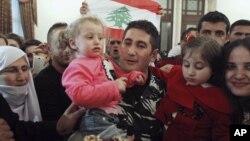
(114, 33)
(142, 4)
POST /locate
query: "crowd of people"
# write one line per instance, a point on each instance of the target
(194, 93)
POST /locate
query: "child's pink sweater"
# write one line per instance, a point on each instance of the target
(87, 85)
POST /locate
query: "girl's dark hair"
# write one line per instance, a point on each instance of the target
(238, 103)
(210, 51)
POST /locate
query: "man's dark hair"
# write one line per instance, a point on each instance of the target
(149, 28)
(214, 17)
(184, 33)
(241, 22)
(53, 27)
(30, 42)
(15, 37)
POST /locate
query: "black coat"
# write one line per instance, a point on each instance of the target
(27, 131)
(51, 94)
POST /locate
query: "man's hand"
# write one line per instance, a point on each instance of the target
(84, 8)
(67, 121)
(5, 133)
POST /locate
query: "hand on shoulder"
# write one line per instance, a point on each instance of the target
(167, 67)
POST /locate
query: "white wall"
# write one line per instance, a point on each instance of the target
(234, 9)
(52, 11)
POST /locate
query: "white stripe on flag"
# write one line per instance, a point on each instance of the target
(102, 8)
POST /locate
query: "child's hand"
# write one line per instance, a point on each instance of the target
(121, 84)
(135, 78)
(139, 80)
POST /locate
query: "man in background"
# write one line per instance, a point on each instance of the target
(51, 94)
(14, 40)
(113, 48)
(239, 30)
(214, 25)
(175, 51)
(37, 53)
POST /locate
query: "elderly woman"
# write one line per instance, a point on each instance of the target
(236, 60)
(16, 84)
(18, 95)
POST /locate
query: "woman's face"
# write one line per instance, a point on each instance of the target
(17, 73)
(238, 71)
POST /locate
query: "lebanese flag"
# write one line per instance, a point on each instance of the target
(116, 14)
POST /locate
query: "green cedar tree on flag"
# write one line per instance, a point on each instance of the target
(116, 14)
(120, 16)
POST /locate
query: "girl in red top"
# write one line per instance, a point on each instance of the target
(194, 109)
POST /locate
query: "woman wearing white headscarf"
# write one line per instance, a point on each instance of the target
(16, 84)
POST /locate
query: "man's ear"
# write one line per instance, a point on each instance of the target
(154, 54)
(72, 44)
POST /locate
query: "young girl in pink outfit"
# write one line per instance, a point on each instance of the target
(88, 80)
